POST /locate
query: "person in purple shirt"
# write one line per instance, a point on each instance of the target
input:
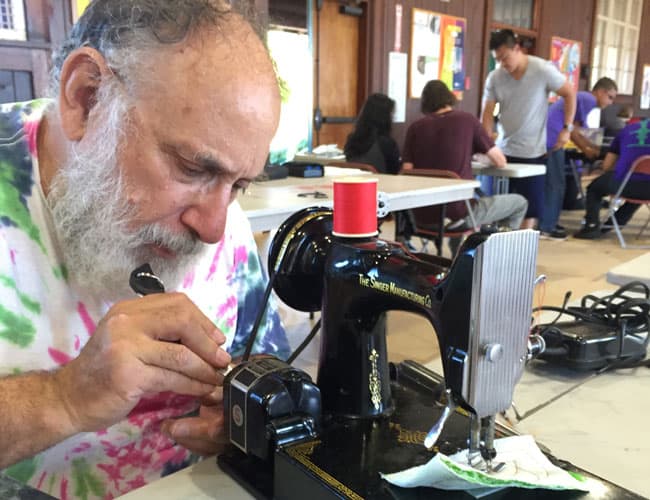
(602, 94)
(631, 143)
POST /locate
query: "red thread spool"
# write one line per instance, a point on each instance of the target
(355, 207)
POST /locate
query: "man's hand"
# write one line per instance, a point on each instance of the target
(562, 138)
(591, 152)
(203, 434)
(161, 342)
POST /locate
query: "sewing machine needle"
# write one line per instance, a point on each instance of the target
(433, 435)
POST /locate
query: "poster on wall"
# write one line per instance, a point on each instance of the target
(645, 88)
(565, 54)
(437, 51)
(78, 7)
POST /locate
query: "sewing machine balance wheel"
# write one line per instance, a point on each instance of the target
(297, 257)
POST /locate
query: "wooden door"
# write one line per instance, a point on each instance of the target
(338, 95)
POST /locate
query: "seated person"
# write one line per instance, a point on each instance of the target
(370, 141)
(446, 139)
(631, 143)
(102, 391)
(614, 117)
(602, 94)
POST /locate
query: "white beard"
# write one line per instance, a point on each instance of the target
(91, 213)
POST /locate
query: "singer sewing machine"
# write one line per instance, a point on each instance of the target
(292, 438)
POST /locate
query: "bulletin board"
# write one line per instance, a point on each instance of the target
(437, 51)
(565, 55)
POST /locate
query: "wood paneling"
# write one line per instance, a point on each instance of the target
(48, 22)
(15, 86)
(336, 71)
(382, 36)
(573, 20)
(32, 61)
(38, 26)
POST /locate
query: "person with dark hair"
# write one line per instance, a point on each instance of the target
(631, 143)
(521, 86)
(162, 111)
(614, 117)
(602, 94)
(446, 139)
(370, 141)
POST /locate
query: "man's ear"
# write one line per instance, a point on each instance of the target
(81, 76)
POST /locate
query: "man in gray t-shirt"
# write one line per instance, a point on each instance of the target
(521, 86)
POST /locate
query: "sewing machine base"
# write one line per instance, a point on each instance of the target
(346, 459)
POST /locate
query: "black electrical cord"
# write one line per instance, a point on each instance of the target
(253, 335)
(304, 343)
(258, 320)
(610, 310)
(624, 314)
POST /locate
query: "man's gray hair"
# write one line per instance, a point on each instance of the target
(125, 30)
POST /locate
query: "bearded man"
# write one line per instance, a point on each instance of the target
(162, 111)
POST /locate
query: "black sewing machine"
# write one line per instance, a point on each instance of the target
(292, 438)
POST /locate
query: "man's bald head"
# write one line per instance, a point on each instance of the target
(126, 32)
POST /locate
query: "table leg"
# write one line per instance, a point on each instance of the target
(501, 185)
(441, 230)
(576, 178)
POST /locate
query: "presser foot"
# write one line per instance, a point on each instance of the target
(476, 460)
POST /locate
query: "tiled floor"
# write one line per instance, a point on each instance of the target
(615, 447)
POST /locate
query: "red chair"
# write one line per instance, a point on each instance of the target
(640, 166)
(430, 221)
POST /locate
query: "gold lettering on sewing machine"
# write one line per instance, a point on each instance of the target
(374, 382)
(409, 436)
(393, 289)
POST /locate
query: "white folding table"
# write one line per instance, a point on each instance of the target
(501, 176)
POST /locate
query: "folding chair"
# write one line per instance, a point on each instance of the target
(429, 222)
(640, 166)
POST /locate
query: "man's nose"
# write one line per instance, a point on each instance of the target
(207, 215)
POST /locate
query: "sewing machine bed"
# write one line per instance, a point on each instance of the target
(346, 459)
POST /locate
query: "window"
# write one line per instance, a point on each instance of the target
(12, 20)
(615, 42)
(517, 13)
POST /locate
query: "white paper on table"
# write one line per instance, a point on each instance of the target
(525, 467)
(327, 150)
(483, 159)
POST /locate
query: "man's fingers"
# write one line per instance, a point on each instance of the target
(215, 397)
(157, 379)
(196, 429)
(170, 307)
(202, 447)
(179, 358)
(173, 317)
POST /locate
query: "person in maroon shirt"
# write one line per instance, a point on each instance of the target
(446, 138)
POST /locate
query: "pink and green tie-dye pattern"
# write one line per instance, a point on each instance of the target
(44, 324)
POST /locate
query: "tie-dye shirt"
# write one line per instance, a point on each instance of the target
(44, 323)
